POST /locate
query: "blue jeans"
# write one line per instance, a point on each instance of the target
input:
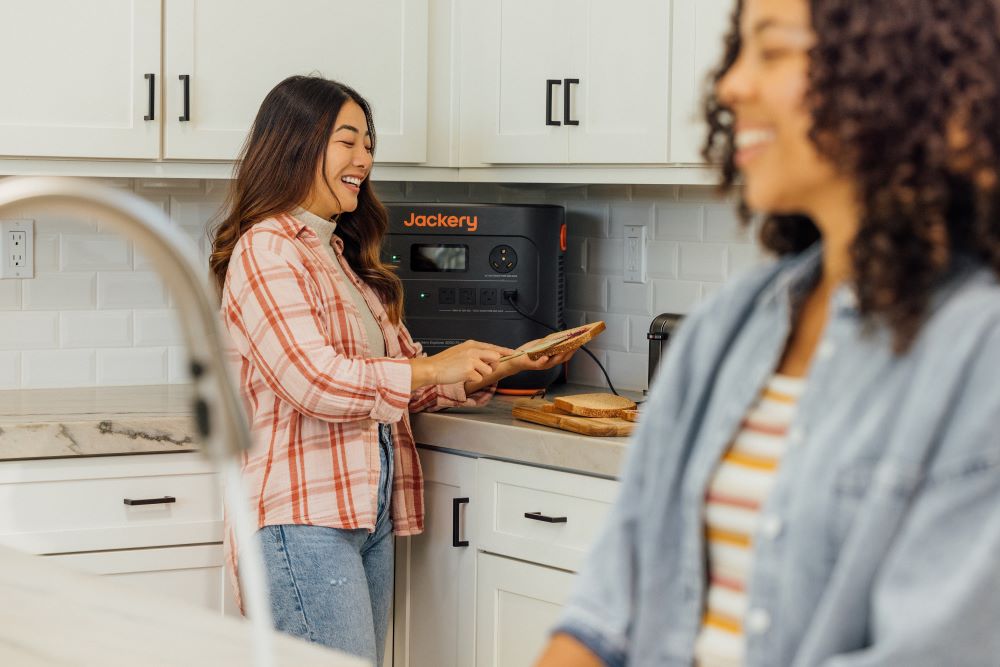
(333, 586)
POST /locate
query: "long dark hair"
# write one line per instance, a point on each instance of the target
(904, 97)
(277, 166)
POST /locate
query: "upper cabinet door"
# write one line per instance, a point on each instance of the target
(232, 52)
(514, 57)
(622, 101)
(74, 77)
(700, 28)
(557, 81)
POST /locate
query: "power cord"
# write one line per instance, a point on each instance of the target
(511, 295)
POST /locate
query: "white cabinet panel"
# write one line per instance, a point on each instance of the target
(74, 76)
(699, 29)
(517, 606)
(610, 62)
(235, 51)
(540, 515)
(435, 580)
(194, 574)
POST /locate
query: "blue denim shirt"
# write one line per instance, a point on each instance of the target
(888, 499)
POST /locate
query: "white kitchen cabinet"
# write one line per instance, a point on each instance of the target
(434, 614)
(193, 574)
(700, 28)
(80, 79)
(517, 606)
(565, 81)
(154, 521)
(234, 51)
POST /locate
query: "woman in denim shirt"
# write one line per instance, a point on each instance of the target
(867, 134)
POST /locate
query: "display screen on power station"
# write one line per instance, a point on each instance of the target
(439, 257)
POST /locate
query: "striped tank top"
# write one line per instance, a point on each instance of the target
(736, 493)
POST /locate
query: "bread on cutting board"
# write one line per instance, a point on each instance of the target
(594, 405)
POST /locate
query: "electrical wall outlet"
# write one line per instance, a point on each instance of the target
(635, 253)
(17, 249)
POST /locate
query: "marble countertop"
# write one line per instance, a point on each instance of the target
(95, 421)
(56, 423)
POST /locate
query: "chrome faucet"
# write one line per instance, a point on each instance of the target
(217, 408)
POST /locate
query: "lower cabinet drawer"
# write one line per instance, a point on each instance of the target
(193, 574)
(539, 515)
(96, 504)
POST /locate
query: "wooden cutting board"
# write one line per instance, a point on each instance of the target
(546, 414)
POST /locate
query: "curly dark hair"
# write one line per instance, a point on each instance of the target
(905, 97)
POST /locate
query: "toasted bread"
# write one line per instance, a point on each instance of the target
(567, 340)
(594, 405)
(630, 415)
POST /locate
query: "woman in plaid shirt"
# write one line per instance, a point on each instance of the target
(328, 371)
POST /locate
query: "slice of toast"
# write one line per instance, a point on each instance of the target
(594, 405)
(564, 341)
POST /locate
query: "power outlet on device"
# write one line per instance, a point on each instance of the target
(17, 249)
(635, 253)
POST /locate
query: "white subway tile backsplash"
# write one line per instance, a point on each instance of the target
(57, 368)
(157, 327)
(723, 226)
(587, 219)
(25, 330)
(629, 297)
(654, 192)
(46, 253)
(59, 291)
(702, 261)
(606, 256)
(615, 336)
(132, 365)
(98, 328)
(627, 370)
(631, 213)
(64, 224)
(10, 370)
(576, 255)
(675, 296)
(679, 222)
(10, 294)
(708, 289)
(178, 363)
(744, 257)
(662, 258)
(105, 252)
(638, 327)
(585, 292)
(130, 290)
(195, 211)
(583, 370)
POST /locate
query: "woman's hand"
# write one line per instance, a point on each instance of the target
(525, 363)
(470, 362)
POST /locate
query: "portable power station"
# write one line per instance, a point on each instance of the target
(460, 263)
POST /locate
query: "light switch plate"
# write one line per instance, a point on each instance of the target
(635, 253)
(17, 248)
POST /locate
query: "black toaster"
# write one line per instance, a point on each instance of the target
(660, 330)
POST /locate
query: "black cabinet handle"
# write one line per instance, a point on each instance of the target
(186, 79)
(151, 78)
(566, 101)
(548, 101)
(455, 504)
(165, 500)
(538, 516)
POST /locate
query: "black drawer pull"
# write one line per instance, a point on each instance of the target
(567, 84)
(538, 516)
(186, 80)
(455, 504)
(548, 101)
(151, 501)
(151, 78)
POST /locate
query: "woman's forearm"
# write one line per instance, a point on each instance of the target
(565, 651)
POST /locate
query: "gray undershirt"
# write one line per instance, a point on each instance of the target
(324, 230)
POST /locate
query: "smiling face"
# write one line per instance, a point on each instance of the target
(765, 88)
(348, 163)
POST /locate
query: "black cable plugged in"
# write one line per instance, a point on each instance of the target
(511, 295)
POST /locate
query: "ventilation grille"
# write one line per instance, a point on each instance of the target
(561, 292)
